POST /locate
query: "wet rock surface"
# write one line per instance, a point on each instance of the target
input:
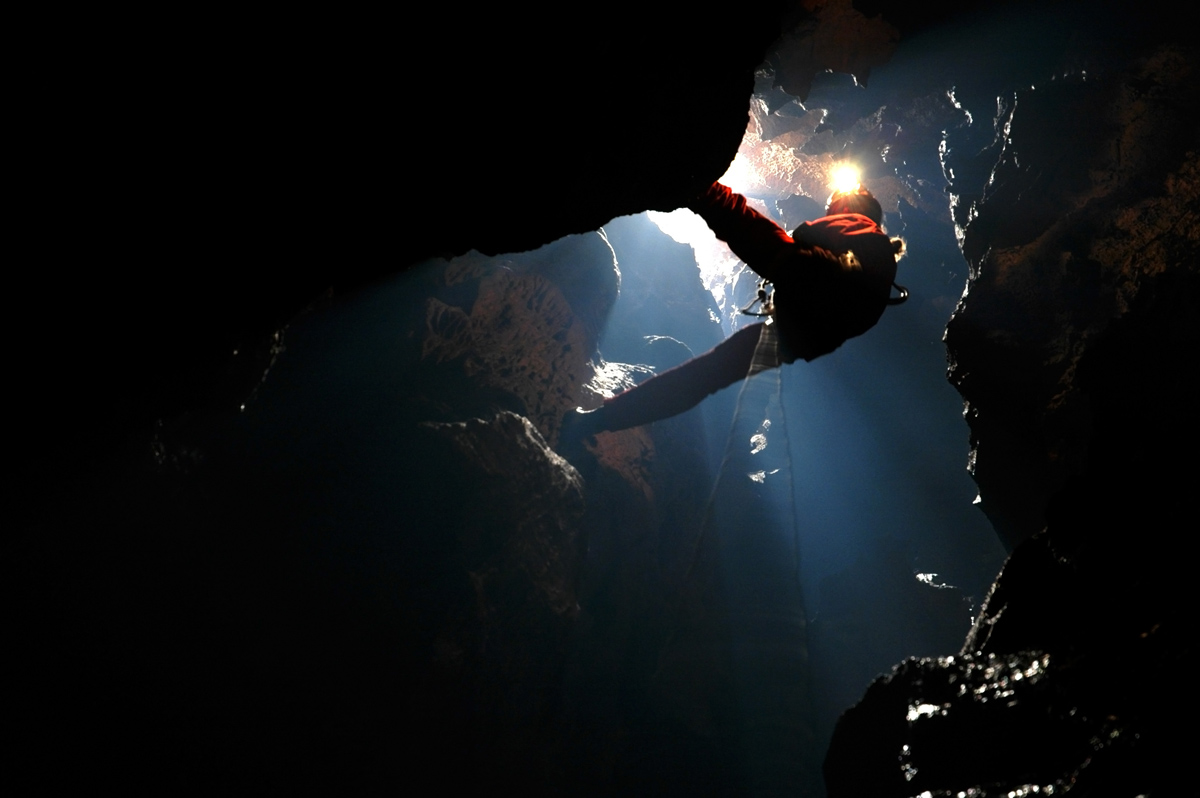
(858, 633)
(995, 725)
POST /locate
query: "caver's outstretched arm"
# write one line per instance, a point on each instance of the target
(763, 245)
(753, 237)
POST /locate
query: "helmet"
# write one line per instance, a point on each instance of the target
(858, 200)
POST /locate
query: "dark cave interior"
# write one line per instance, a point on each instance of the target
(311, 294)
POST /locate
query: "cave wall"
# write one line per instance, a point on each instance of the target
(1087, 220)
(1073, 345)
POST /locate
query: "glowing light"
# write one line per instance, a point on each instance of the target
(845, 177)
(931, 580)
(740, 176)
(761, 476)
(717, 264)
(916, 711)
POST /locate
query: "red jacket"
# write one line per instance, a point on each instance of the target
(821, 299)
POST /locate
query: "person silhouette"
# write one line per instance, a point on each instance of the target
(832, 280)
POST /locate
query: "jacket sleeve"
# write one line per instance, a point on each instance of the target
(753, 237)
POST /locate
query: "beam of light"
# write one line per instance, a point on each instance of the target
(845, 177)
(741, 175)
(716, 263)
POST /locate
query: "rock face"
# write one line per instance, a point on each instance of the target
(528, 324)
(835, 36)
(1088, 220)
(1074, 347)
(501, 648)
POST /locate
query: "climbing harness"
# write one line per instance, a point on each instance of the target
(764, 297)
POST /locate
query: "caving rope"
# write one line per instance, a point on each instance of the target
(757, 399)
(766, 358)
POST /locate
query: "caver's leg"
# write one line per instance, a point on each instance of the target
(681, 388)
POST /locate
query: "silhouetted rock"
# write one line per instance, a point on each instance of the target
(492, 683)
(834, 36)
